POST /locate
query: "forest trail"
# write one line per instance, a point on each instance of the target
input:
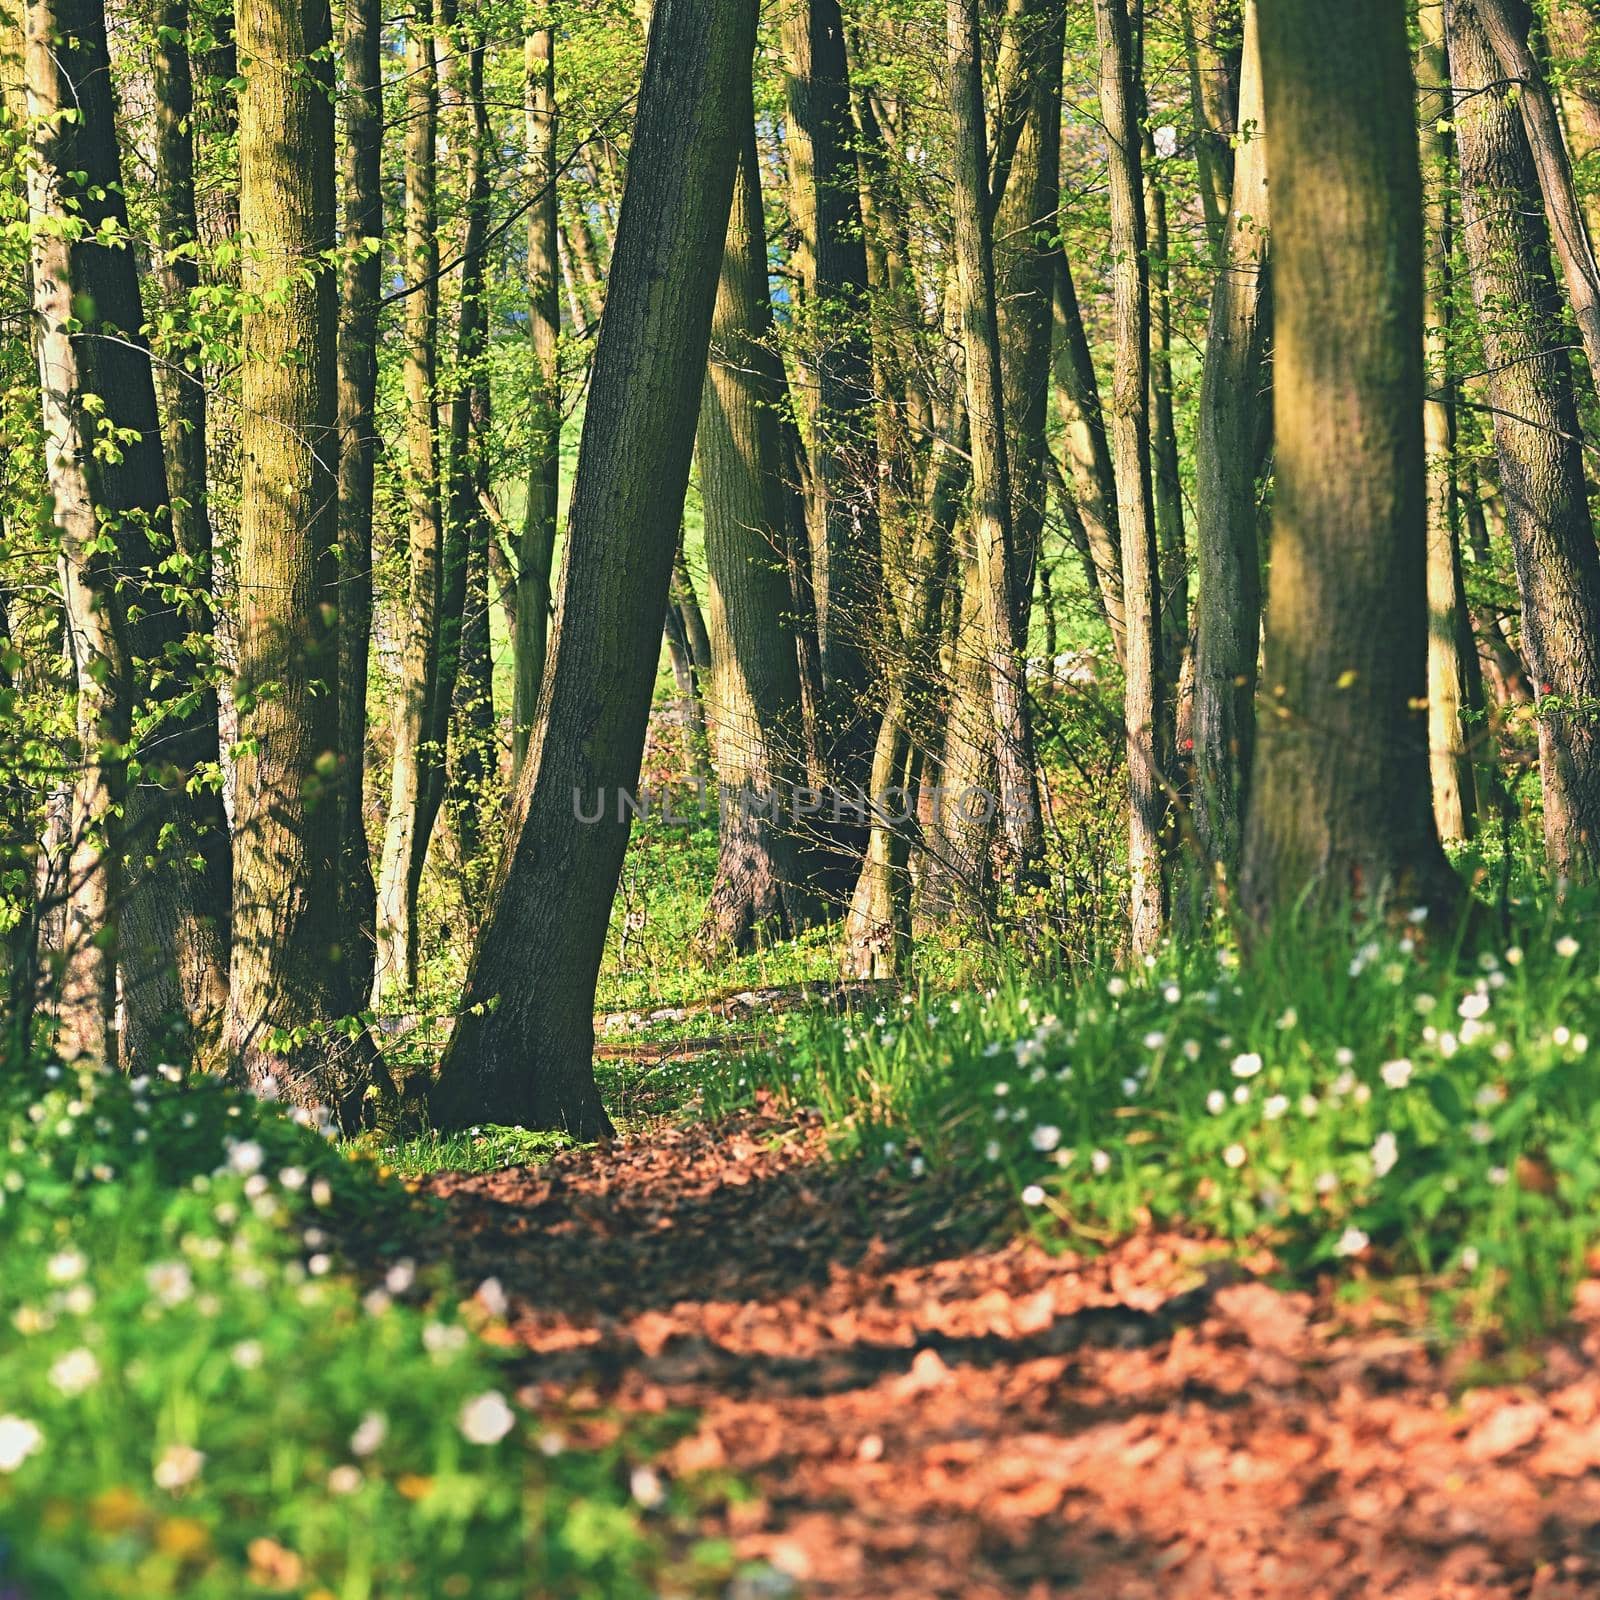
(920, 1416)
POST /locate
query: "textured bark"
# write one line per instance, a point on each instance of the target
(522, 1050)
(1087, 451)
(1507, 24)
(1449, 630)
(762, 886)
(994, 568)
(1537, 442)
(1212, 35)
(1024, 271)
(290, 984)
(1235, 402)
(1339, 801)
(1144, 713)
(405, 838)
(361, 177)
(831, 264)
(472, 144)
(1167, 478)
(536, 548)
(164, 917)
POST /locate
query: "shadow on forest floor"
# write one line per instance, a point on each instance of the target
(923, 1412)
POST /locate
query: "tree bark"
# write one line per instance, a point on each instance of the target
(994, 568)
(1212, 35)
(1235, 402)
(290, 984)
(1144, 712)
(1537, 441)
(831, 264)
(1088, 452)
(1450, 644)
(1339, 803)
(359, 442)
(164, 914)
(522, 1050)
(405, 839)
(536, 548)
(1507, 24)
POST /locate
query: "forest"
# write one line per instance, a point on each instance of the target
(799, 798)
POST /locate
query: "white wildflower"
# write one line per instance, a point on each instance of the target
(1234, 1155)
(1045, 1137)
(74, 1372)
(1385, 1153)
(1033, 1195)
(1396, 1074)
(370, 1433)
(19, 1439)
(487, 1419)
(1247, 1065)
(1351, 1242)
(179, 1465)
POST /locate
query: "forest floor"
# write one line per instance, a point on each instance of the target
(918, 1410)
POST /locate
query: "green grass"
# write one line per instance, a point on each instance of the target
(200, 1401)
(1389, 1104)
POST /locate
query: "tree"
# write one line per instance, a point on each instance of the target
(1537, 443)
(1339, 803)
(1143, 711)
(361, 175)
(522, 1048)
(1451, 654)
(763, 883)
(290, 988)
(1235, 413)
(536, 548)
(831, 267)
(993, 569)
(406, 830)
(164, 914)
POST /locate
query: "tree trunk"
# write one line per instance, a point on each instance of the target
(1537, 440)
(405, 838)
(1212, 31)
(1339, 800)
(1088, 452)
(1234, 404)
(1507, 24)
(522, 1049)
(164, 917)
(536, 549)
(1024, 271)
(1144, 712)
(762, 885)
(290, 982)
(1455, 803)
(994, 567)
(832, 266)
(359, 443)
(1574, 31)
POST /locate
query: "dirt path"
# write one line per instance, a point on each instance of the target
(925, 1419)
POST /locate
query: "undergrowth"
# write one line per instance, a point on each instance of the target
(1387, 1103)
(200, 1400)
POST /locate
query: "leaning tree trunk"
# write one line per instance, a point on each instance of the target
(358, 449)
(1143, 711)
(993, 569)
(405, 838)
(1087, 450)
(522, 1049)
(290, 985)
(1234, 406)
(1507, 24)
(1212, 30)
(1574, 28)
(166, 918)
(763, 880)
(1339, 803)
(1537, 440)
(536, 547)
